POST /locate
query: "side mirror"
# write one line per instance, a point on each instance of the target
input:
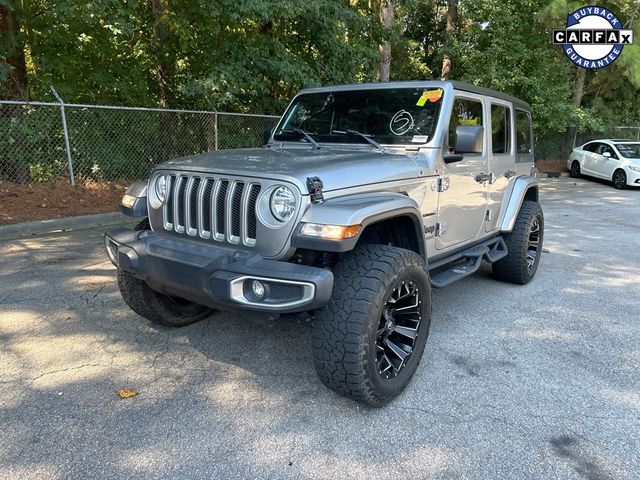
(266, 135)
(469, 139)
(606, 154)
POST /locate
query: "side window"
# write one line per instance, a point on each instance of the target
(606, 148)
(591, 147)
(501, 129)
(523, 132)
(465, 112)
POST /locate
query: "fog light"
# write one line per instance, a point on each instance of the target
(258, 289)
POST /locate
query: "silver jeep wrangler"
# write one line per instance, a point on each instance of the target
(363, 199)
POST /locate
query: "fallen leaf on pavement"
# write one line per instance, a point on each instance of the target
(127, 393)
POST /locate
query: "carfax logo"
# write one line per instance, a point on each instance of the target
(594, 37)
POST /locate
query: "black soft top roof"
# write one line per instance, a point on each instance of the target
(469, 87)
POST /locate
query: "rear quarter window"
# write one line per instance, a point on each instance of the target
(524, 142)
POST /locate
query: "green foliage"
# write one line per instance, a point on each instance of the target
(511, 56)
(253, 55)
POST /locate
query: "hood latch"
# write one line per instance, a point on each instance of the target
(314, 184)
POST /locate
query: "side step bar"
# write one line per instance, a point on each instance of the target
(491, 251)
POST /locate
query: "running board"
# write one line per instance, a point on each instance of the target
(491, 251)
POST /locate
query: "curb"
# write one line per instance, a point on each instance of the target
(40, 227)
(554, 174)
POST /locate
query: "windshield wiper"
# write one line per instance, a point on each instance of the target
(306, 135)
(366, 137)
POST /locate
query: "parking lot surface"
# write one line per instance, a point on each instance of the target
(540, 381)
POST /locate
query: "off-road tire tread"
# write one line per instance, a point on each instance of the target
(145, 302)
(340, 347)
(513, 267)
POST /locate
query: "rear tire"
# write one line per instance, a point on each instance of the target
(157, 307)
(619, 179)
(574, 172)
(379, 291)
(524, 245)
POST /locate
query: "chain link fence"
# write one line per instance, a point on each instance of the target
(41, 142)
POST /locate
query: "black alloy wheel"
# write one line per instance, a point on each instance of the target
(398, 329)
(533, 244)
(619, 179)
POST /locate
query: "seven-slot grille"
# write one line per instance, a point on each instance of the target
(215, 208)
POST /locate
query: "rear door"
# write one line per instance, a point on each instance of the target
(589, 153)
(463, 198)
(501, 158)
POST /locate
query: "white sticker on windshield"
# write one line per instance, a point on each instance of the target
(401, 123)
(420, 139)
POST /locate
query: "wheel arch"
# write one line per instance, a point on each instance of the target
(523, 188)
(394, 212)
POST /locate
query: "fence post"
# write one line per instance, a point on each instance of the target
(215, 130)
(66, 136)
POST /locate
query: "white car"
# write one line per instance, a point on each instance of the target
(615, 160)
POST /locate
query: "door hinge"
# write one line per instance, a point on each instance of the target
(443, 184)
(488, 216)
(314, 184)
(441, 228)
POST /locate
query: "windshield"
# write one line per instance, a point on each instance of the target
(396, 116)
(629, 150)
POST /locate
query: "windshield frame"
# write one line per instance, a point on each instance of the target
(433, 141)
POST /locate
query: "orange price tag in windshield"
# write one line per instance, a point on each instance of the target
(430, 96)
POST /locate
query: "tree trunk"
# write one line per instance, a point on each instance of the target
(165, 68)
(16, 87)
(165, 75)
(386, 19)
(452, 19)
(578, 93)
(13, 168)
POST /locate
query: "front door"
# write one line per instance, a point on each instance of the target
(605, 165)
(463, 192)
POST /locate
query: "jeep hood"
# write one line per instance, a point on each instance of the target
(337, 168)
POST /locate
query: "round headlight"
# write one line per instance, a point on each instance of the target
(283, 203)
(161, 187)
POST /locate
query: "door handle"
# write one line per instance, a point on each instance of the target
(509, 173)
(485, 177)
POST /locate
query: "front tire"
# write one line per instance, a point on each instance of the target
(619, 179)
(369, 338)
(524, 245)
(157, 307)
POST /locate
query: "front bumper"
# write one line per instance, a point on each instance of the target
(216, 277)
(633, 178)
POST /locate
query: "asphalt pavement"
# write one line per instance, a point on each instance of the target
(537, 381)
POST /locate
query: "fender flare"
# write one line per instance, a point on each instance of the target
(513, 199)
(359, 209)
(134, 201)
